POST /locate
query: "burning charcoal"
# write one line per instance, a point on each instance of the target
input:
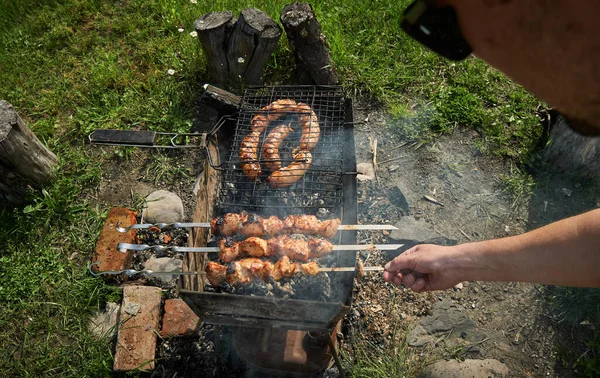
(323, 213)
(313, 287)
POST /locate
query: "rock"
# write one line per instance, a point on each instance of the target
(163, 206)
(410, 229)
(104, 323)
(446, 317)
(397, 198)
(365, 171)
(164, 264)
(466, 369)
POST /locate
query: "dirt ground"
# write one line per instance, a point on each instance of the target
(517, 325)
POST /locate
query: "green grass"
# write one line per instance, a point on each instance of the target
(69, 67)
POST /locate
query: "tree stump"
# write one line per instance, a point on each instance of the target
(237, 50)
(570, 152)
(24, 160)
(309, 45)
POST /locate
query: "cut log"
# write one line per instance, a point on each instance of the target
(253, 39)
(213, 31)
(570, 152)
(238, 51)
(220, 99)
(24, 160)
(308, 43)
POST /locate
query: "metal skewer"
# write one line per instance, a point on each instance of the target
(151, 273)
(124, 247)
(343, 227)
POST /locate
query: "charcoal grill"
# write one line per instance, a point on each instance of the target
(328, 187)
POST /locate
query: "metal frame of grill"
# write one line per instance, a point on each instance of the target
(320, 187)
(335, 115)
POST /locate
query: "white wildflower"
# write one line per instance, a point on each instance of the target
(194, 1)
(194, 34)
(171, 71)
(241, 60)
(180, 30)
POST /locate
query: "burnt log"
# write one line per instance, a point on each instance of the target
(213, 31)
(309, 45)
(220, 99)
(570, 152)
(240, 48)
(24, 161)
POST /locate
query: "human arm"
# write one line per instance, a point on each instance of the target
(566, 253)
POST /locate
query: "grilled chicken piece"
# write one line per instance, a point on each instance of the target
(284, 268)
(301, 224)
(319, 247)
(328, 228)
(248, 224)
(251, 225)
(273, 226)
(228, 250)
(216, 273)
(254, 247)
(310, 268)
(295, 249)
(247, 270)
(227, 225)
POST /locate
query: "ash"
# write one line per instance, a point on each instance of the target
(303, 287)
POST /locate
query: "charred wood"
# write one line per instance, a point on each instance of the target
(238, 50)
(24, 160)
(309, 45)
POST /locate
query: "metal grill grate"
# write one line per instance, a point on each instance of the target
(321, 186)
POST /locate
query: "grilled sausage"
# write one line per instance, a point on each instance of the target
(310, 127)
(272, 112)
(249, 155)
(270, 150)
(289, 175)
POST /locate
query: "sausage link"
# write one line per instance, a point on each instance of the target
(270, 150)
(292, 173)
(249, 155)
(310, 127)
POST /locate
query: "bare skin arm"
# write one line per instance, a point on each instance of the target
(564, 253)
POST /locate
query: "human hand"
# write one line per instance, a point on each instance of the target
(424, 267)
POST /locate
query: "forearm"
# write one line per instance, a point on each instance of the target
(566, 252)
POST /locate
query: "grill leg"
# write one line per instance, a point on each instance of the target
(336, 357)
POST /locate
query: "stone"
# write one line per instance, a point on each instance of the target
(178, 319)
(162, 206)
(410, 229)
(136, 336)
(446, 317)
(104, 323)
(365, 171)
(106, 256)
(397, 198)
(466, 369)
(164, 264)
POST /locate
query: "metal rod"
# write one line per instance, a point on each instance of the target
(352, 269)
(343, 227)
(124, 247)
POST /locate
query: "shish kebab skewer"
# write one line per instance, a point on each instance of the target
(247, 270)
(247, 224)
(296, 249)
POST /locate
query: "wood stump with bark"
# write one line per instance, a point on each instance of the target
(305, 36)
(570, 152)
(237, 49)
(24, 160)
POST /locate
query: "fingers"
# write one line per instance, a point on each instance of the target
(402, 262)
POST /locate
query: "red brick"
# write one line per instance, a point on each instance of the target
(106, 256)
(136, 337)
(178, 319)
